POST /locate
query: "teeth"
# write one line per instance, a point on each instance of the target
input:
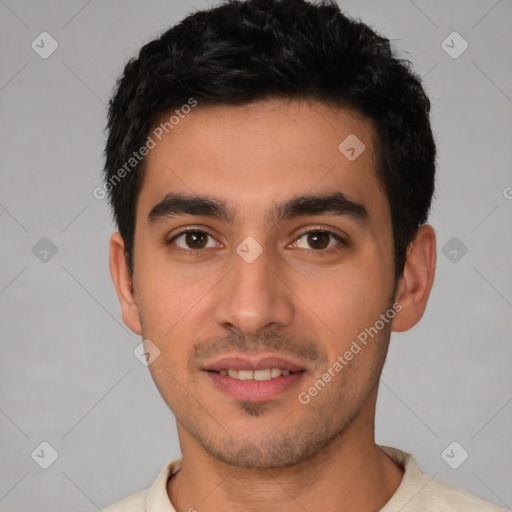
(245, 374)
(265, 374)
(262, 374)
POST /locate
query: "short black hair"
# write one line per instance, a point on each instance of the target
(244, 51)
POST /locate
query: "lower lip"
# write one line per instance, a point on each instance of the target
(255, 390)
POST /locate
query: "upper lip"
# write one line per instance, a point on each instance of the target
(238, 362)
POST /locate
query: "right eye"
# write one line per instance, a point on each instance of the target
(193, 240)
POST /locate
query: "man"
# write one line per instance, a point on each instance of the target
(270, 166)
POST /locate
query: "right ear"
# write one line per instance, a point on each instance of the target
(123, 283)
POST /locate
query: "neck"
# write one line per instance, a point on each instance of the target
(351, 474)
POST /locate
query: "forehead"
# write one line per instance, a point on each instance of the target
(260, 154)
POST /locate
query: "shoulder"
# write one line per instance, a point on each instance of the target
(451, 498)
(134, 503)
(152, 498)
(419, 492)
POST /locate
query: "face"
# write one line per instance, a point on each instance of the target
(262, 253)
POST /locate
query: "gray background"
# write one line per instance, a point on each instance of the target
(68, 374)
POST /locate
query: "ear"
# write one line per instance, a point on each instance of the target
(416, 281)
(123, 283)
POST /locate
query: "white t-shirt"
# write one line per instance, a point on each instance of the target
(416, 493)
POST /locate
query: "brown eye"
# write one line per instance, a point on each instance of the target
(194, 240)
(318, 240)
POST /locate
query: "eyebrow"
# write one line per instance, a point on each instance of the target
(337, 203)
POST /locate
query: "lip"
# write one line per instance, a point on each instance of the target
(254, 390)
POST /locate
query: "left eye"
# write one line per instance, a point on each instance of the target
(318, 240)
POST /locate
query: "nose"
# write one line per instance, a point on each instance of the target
(253, 297)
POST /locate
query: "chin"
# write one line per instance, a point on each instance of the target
(273, 451)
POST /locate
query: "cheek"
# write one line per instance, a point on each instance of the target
(348, 302)
(350, 298)
(172, 305)
(165, 294)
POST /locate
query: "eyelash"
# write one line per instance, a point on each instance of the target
(309, 252)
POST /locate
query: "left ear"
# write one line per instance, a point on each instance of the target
(416, 281)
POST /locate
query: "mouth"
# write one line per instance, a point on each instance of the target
(261, 375)
(255, 380)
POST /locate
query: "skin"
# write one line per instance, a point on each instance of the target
(295, 300)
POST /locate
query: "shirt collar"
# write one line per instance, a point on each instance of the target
(157, 499)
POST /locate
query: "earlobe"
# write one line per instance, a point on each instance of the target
(417, 279)
(123, 283)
